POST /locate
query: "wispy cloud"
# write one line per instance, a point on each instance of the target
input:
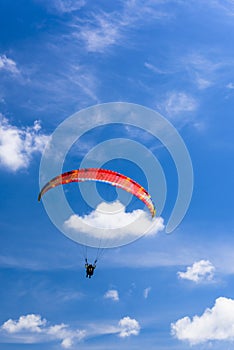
(178, 250)
(77, 81)
(95, 30)
(202, 69)
(17, 145)
(146, 292)
(230, 86)
(105, 33)
(154, 68)
(105, 29)
(214, 324)
(200, 271)
(225, 5)
(64, 6)
(112, 294)
(80, 76)
(9, 65)
(178, 103)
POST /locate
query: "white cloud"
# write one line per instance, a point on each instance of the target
(203, 70)
(214, 324)
(67, 336)
(84, 80)
(226, 5)
(202, 83)
(105, 33)
(154, 69)
(32, 328)
(111, 221)
(146, 292)
(8, 65)
(18, 144)
(66, 6)
(105, 29)
(128, 326)
(32, 323)
(178, 103)
(200, 271)
(67, 343)
(179, 250)
(112, 294)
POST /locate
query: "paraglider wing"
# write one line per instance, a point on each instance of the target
(102, 175)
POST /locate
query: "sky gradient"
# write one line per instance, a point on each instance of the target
(163, 291)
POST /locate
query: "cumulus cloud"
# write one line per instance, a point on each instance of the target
(112, 294)
(146, 292)
(33, 329)
(214, 324)
(128, 326)
(111, 221)
(32, 323)
(202, 270)
(18, 144)
(7, 64)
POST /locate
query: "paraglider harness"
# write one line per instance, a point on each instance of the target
(90, 268)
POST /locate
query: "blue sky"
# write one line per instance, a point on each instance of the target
(164, 291)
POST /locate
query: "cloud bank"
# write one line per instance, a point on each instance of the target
(33, 329)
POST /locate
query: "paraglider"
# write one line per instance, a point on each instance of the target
(101, 175)
(90, 268)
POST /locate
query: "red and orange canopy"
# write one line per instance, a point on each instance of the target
(102, 175)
